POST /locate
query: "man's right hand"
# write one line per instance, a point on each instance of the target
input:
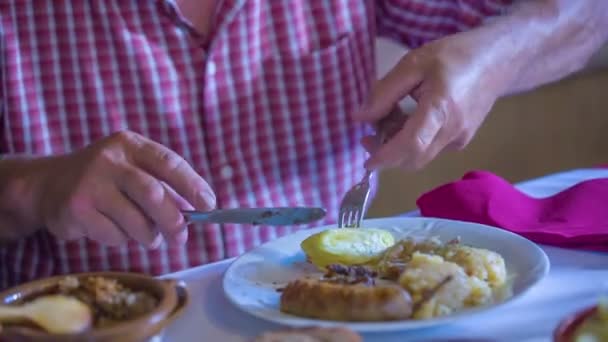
(121, 187)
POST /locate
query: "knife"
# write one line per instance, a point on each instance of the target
(280, 216)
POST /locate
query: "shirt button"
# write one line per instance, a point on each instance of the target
(226, 172)
(211, 69)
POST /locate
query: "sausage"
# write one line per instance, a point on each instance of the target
(345, 302)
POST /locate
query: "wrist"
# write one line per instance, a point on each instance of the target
(504, 47)
(542, 41)
(22, 179)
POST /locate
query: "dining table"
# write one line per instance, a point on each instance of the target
(576, 280)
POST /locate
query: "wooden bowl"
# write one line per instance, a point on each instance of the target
(567, 328)
(172, 295)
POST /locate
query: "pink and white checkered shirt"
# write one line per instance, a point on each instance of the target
(261, 111)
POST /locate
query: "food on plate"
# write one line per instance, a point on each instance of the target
(423, 273)
(311, 334)
(346, 246)
(346, 294)
(480, 263)
(595, 327)
(109, 300)
(408, 279)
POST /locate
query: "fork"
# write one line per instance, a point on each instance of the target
(356, 201)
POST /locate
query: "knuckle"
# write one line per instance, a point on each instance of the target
(145, 187)
(420, 58)
(441, 109)
(453, 113)
(171, 159)
(104, 157)
(411, 58)
(124, 136)
(450, 118)
(120, 140)
(153, 190)
(102, 160)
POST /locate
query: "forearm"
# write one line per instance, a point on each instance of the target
(542, 41)
(17, 195)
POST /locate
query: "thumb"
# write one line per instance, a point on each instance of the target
(394, 86)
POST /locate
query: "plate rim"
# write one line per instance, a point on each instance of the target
(388, 326)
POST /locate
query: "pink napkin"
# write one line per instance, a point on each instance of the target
(577, 217)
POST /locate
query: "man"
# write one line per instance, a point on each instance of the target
(117, 114)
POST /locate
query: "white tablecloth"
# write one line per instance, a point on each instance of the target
(575, 281)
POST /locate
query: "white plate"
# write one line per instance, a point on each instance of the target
(250, 283)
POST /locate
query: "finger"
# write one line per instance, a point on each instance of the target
(386, 128)
(435, 148)
(157, 242)
(394, 86)
(458, 144)
(181, 202)
(391, 124)
(371, 143)
(410, 144)
(128, 217)
(102, 230)
(157, 204)
(169, 167)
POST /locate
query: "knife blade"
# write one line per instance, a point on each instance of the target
(279, 216)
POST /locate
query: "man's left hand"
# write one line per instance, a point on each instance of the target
(454, 84)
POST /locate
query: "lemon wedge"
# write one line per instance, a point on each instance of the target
(347, 246)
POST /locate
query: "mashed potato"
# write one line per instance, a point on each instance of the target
(476, 276)
(422, 276)
(479, 263)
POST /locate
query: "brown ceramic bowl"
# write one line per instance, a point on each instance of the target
(172, 296)
(566, 329)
